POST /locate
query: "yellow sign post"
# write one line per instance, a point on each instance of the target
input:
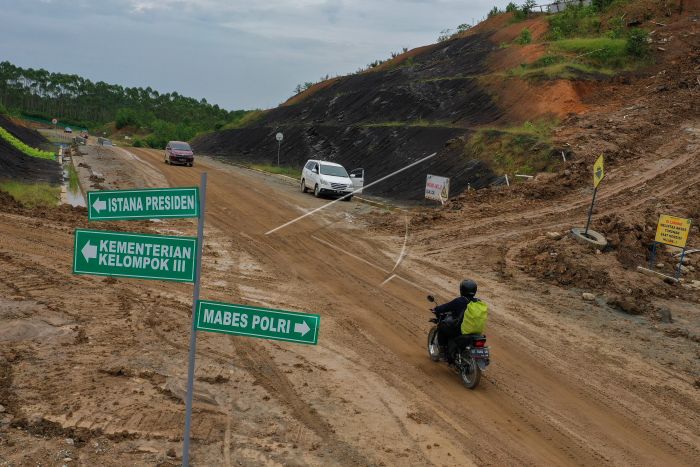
(598, 171)
(598, 175)
(672, 230)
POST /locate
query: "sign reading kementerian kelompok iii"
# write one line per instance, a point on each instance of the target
(139, 256)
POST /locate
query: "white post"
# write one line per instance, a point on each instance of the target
(507, 182)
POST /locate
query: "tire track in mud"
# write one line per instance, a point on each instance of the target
(258, 362)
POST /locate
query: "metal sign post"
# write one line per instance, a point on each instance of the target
(193, 330)
(279, 137)
(680, 264)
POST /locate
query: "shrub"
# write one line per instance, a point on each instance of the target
(463, 27)
(494, 12)
(528, 6)
(574, 21)
(138, 143)
(3, 110)
(525, 37)
(511, 7)
(124, 118)
(637, 44)
(445, 34)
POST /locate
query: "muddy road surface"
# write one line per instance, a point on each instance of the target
(93, 369)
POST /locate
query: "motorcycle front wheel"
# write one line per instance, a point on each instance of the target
(433, 346)
(469, 371)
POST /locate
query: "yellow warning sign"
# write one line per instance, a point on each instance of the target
(673, 230)
(598, 171)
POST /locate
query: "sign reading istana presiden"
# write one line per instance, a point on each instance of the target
(147, 203)
(673, 230)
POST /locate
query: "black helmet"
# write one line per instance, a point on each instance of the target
(467, 288)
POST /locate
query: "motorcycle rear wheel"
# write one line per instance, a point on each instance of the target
(469, 371)
(433, 345)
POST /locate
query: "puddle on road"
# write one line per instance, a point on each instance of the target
(71, 193)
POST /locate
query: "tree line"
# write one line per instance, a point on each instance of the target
(81, 102)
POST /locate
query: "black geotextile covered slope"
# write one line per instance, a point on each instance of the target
(382, 121)
(15, 165)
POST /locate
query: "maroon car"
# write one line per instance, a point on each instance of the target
(178, 152)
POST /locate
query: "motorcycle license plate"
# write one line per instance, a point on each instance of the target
(480, 353)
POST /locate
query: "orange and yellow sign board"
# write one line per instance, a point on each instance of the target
(673, 230)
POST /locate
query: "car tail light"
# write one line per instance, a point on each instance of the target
(479, 343)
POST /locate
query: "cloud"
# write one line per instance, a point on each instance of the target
(232, 52)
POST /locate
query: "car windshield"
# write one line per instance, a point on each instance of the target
(333, 170)
(181, 146)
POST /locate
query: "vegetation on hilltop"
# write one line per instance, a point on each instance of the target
(81, 102)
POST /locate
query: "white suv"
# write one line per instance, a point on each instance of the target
(326, 178)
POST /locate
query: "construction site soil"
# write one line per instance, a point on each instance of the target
(593, 362)
(15, 165)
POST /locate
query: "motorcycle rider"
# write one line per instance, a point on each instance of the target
(457, 323)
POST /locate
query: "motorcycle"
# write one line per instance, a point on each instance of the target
(472, 355)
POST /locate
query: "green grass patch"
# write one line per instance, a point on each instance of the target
(246, 120)
(413, 123)
(23, 147)
(33, 194)
(601, 51)
(280, 170)
(525, 149)
(73, 184)
(581, 58)
(560, 69)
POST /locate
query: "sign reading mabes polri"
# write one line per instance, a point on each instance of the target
(251, 321)
(139, 256)
(149, 203)
(437, 188)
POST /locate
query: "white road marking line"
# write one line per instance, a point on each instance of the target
(388, 279)
(337, 248)
(403, 248)
(343, 197)
(379, 268)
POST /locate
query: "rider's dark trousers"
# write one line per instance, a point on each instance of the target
(447, 333)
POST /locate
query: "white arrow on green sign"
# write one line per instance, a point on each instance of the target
(147, 203)
(265, 323)
(140, 256)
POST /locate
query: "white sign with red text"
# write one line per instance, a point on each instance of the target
(437, 188)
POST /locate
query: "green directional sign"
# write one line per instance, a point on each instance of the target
(146, 203)
(243, 320)
(140, 256)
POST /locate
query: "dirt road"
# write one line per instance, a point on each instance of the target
(103, 361)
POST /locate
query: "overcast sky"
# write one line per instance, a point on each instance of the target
(238, 54)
